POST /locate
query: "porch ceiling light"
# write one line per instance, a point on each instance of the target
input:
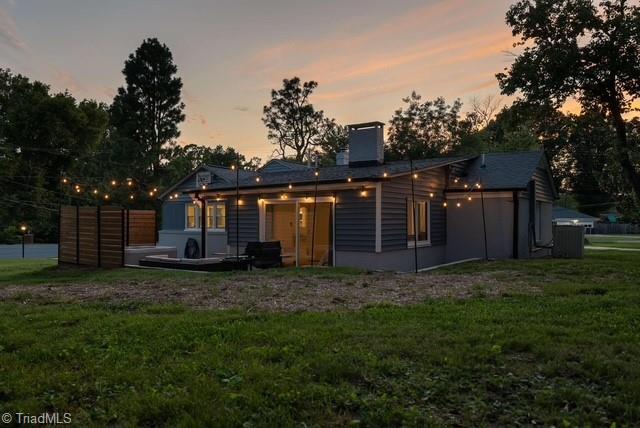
(431, 195)
(458, 204)
(290, 186)
(257, 179)
(469, 198)
(385, 175)
(444, 204)
(349, 180)
(363, 192)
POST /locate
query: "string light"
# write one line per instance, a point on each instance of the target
(469, 198)
(78, 189)
(114, 182)
(129, 183)
(283, 196)
(155, 189)
(130, 196)
(106, 196)
(95, 191)
(150, 193)
(65, 181)
(257, 179)
(444, 204)
(204, 187)
(290, 186)
(466, 186)
(233, 167)
(175, 195)
(170, 197)
(23, 228)
(415, 175)
(349, 180)
(478, 185)
(317, 173)
(431, 195)
(385, 175)
(455, 180)
(458, 204)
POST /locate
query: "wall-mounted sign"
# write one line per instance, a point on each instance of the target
(203, 178)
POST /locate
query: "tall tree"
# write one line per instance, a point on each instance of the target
(573, 48)
(145, 114)
(42, 136)
(425, 129)
(292, 121)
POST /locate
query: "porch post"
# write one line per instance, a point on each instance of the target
(203, 227)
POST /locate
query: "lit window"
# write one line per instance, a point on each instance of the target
(193, 216)
(418, 220)
(216, 216)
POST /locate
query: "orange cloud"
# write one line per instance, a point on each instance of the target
(9, 32)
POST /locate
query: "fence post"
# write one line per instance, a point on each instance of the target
(99, 210)
(122, 240)
(77, 234)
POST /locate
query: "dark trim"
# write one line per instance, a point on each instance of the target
(516, 221)
(532, 214)
(203, 227)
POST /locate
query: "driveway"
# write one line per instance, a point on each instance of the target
(32, 251)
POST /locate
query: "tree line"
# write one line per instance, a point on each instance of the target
(572, 49)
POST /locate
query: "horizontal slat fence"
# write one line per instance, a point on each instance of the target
(96, 236)
(141, 227)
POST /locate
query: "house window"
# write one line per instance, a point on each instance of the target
(418, 220)
(216, 216)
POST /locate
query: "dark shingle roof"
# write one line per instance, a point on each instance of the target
(503, 170)
(560, 212)
(331, 174)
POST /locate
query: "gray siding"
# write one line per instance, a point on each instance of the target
(396, 192)
(248, 216)
(173, 213)
(355, 221)
(466, 231)
(544, 187)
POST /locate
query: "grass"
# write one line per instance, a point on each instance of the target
(567, 357)
(47, 272)
(614, 241)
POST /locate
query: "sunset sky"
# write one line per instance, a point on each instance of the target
(366, 55)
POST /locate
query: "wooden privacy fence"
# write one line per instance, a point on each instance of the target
(97, 236)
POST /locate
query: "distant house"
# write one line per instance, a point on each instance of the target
(567, 217)
(369, 213)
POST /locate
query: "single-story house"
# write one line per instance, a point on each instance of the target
(568, 217)
(365, 212)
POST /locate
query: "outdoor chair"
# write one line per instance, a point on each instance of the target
(264, 255)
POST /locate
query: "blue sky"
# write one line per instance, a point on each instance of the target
(366, 55)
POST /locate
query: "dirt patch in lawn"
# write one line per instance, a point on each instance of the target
(274, 293)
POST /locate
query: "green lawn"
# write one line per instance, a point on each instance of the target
(614, 241)
(567, 356)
